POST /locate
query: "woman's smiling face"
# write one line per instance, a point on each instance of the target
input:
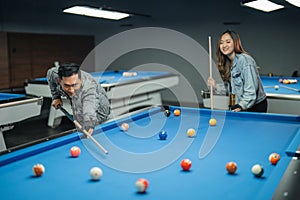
(227, 45)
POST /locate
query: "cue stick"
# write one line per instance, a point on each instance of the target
(269, 86)
(210, 75)
(77, 124)
(290, 88)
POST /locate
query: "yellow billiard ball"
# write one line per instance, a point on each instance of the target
(212, 122)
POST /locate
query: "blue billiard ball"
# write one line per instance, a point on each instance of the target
(163, 135)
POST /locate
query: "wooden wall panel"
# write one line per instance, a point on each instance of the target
(4, 64)
(31, 55)
(20, 58)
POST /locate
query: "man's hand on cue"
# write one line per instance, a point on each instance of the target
(90, 131)
(56, 103)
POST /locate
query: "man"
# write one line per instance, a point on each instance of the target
(88, 99)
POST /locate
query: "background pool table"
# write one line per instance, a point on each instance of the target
(15, 108)
(282, 100)
(245, 138)
(126, 93)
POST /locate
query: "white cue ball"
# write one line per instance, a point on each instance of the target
(257, 170)
(96, 173)
(276, 87)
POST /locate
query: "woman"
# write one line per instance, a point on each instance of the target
(238, 68)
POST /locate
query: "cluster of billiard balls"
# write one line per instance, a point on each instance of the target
(176, 112)
(287, 81)
(95, 172)
(163, 134)
(256, 169)
(190, 132)
(142, 183)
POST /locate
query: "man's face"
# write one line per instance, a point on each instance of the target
(70, 84)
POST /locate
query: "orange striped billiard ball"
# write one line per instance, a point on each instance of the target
(38, 170)
(274, 158)
(125, 127)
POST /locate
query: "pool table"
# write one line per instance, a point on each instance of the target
(245, 138)
(126, 93)
(15, 108)
(285, 99)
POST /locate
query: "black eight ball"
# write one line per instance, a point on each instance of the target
(167, 113)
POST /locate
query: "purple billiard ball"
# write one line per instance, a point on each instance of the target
(163, 135)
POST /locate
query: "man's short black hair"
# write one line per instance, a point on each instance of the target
(68, 69)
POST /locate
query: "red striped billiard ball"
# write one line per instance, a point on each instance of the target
(75, 151)
(142, 185)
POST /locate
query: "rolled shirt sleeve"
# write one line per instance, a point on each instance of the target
(52, 78)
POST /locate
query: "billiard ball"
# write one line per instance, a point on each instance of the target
(163, 135)
(231, 167)
(276, 87)
(212, 122)
(186, 164)
(274, 158)
(96, 173)
(129, 74)
(38, 170)
(285, 81)
(176, 112)
(191, 132)
(75, 151)
(125, 126)
(167, 113)
(257, 170)
(142, 185)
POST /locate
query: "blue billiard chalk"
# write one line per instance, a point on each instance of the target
(163, 135)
